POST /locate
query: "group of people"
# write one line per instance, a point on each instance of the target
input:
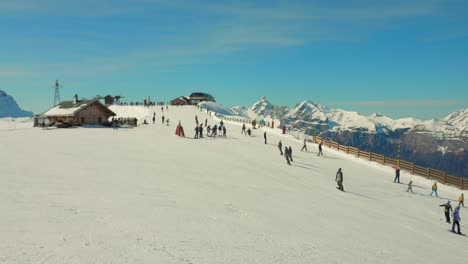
(447, 206)
(455, 213)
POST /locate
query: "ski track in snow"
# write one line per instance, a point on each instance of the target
(144, 195)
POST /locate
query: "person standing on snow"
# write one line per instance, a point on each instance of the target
(264, 136)
(249, 131)
(461, 199)
(154, 117)
(200, 131)
(447, 210)
(290, 153)
(243, 129)
(196, 132)
(162, 120)
(305, 145)
(397, 175)
(410, 186)
(339, 180)
(206, 121)
(286, 155)
(280, 147)
(224, 131)
(456, 220)
(320, 149)
(434, 189)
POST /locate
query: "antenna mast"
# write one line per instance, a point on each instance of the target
(57, 93)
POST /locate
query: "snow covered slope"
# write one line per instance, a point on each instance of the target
(9, 107)
(144, 195)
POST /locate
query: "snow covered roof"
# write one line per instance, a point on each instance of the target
(68, 108)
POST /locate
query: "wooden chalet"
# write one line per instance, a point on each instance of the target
(182, 100)
(76, 112)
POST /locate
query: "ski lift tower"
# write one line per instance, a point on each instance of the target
(57, 93)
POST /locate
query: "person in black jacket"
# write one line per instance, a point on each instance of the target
(447, 209)
(339, 180)
(320, 149)
(264, 136)
(290, 153)
(397, 175)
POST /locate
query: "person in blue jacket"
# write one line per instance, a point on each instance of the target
(456, 219)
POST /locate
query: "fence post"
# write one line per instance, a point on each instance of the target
(412, 167)
(383, 160)
(347, 150)
(338, 147)
(462, 181)
(429, 173)
(358, 152)
(445, 177)
(370, 155)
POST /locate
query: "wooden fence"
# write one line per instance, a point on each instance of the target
(428, 173)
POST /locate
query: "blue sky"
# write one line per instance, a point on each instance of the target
(400, 58)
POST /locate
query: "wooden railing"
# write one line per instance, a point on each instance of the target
(427, 173)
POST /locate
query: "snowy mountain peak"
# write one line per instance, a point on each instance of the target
(458, 118)
(311, 107)
(9, 107)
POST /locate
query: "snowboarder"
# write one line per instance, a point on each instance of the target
(397, 175)
(410, 187)
(305, 145)
(249, 131)
(290, 153)
(456, 220)
(243, 129)
(447, 210)
(320, 149)
(339, 180)
(280, 147)
(461, 199)
(264, 136)
(434, 189)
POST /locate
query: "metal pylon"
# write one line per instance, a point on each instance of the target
(57, 93)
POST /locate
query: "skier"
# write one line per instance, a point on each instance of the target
(410, 187)
(434, 189)
(305, 145)
(154, 117)
(243, 129)
(397, 175)
(162, 120)
(196, 132)
(249, 131)
(208, 131)
(214, 130)
(339, 180)
(206, 122)
(280, 147)
(456, 220)
(167, 122)
(461, 199)
(221, 124)
(320, 149)
(224, 131)
(290, 153)
(264, 136)
(286, 155)
(447, 210)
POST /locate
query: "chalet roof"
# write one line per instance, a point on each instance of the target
(68, 108)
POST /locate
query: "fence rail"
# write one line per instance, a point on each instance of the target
(427, 173)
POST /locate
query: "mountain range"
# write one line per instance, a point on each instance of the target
(439, 143)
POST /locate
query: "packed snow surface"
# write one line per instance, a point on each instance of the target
(144, 195)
